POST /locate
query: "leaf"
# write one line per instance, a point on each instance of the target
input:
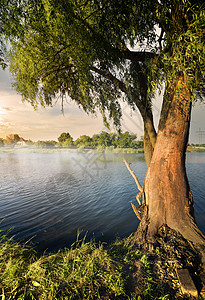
(35, 283)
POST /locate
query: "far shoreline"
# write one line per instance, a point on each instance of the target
(110, 149)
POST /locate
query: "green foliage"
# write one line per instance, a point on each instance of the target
(82, 272)
(126, 140)
(12, 21)
(86, 271)
(109, 141)
(45, 144)
(64, 43)
(183, 51)
(30, 142)
(65, 140)
(104, 139)
(64, 136)
(66, 143)
(81, 50)
(83, 141)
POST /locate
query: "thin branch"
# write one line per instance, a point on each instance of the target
(136, 210)
(139, 195)
(140, 188)
(138, 55)
(111, 77)
(121, 85)
(124, 52)
(160, 39)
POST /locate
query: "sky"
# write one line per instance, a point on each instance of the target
(49, 123)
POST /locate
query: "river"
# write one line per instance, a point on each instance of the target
(48, 198)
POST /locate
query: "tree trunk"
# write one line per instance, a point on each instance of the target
(149, 138)
(168, 197)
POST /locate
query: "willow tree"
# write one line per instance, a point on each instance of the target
(100, 53)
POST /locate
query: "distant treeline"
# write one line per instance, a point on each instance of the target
(65, 140)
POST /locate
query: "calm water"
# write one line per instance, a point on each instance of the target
(47, 198)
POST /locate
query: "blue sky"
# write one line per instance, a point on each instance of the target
(49, 123)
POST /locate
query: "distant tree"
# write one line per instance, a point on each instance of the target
(65, 140)
(95, 140)
(30, 142)
(84, 141)
(46, 144)
(64, 136)
(140, 144)
(126, 140)
(67, 143)
(104, 139)
(12, 139)
(16, 138)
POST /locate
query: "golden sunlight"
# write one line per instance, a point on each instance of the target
(2, 112)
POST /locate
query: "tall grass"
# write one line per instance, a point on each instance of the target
(85, 271)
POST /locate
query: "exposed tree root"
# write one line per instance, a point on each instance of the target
(178, 242)
(172, 253)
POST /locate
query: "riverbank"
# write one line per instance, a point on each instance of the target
(111, 149)
(195, 149)
(93, 271)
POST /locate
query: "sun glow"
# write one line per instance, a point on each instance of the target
(2, 112)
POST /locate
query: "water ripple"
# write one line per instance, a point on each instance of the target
(48, 197)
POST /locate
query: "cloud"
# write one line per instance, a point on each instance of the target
(3, 125)
(7, 108)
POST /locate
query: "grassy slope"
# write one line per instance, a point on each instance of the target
(86, 271)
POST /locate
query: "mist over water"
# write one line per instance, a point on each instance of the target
(47, 197)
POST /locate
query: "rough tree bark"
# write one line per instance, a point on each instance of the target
(167, 195)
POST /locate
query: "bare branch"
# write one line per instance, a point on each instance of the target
(134, 176)
(136, 210)
(139, 196)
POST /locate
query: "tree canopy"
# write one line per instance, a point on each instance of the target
(99, 52)
(102, 52)
(64, 136)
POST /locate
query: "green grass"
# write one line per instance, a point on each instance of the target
(85, 271)
(195, 149)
